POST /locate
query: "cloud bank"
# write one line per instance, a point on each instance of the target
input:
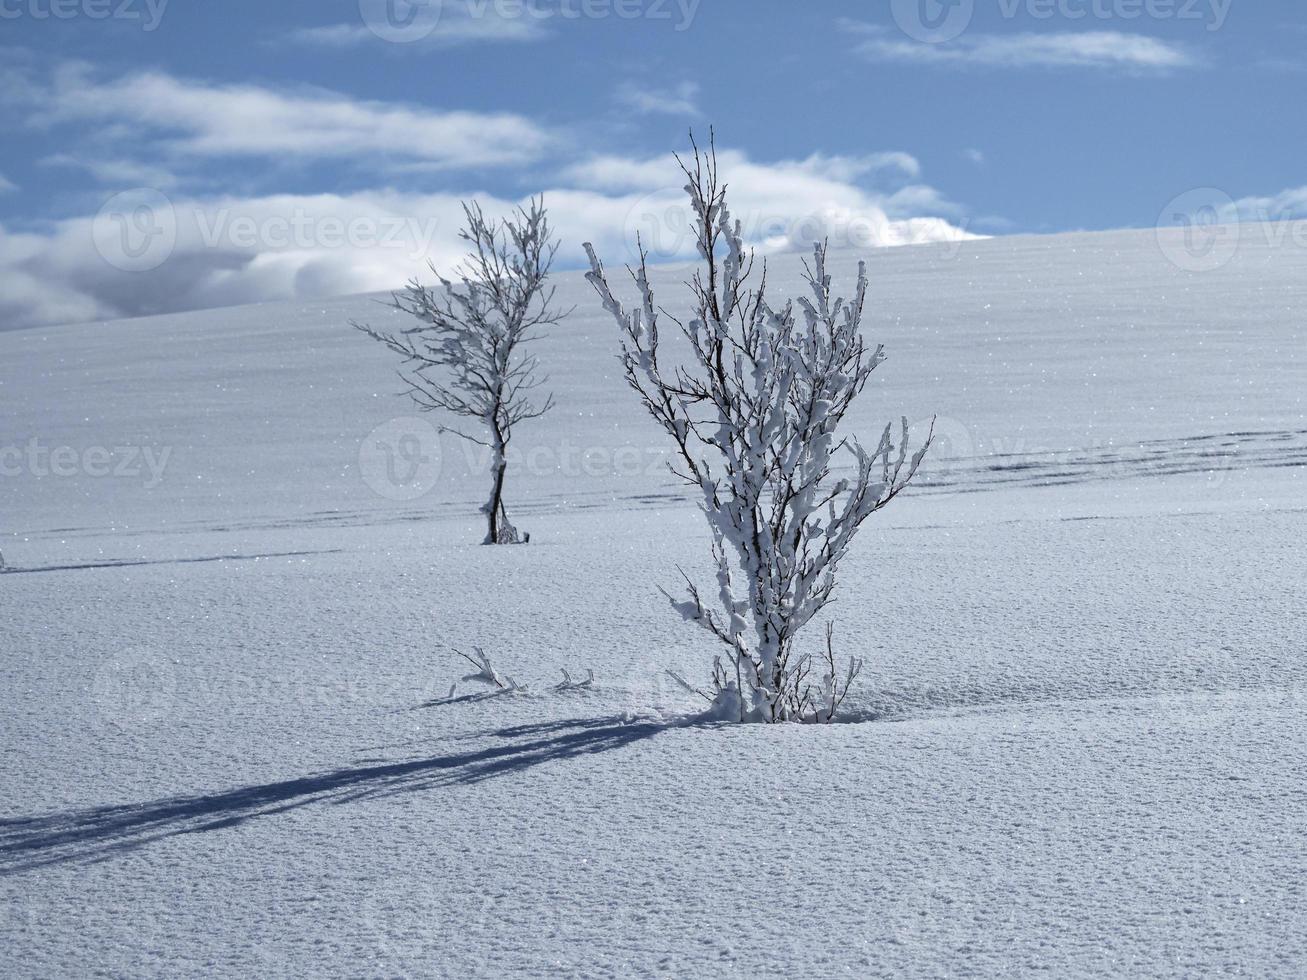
(164, 233)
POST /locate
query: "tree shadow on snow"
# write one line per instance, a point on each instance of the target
(99, 833)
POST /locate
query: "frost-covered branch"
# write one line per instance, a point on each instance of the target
(567, 684)
(754, 416)
(503, 684)
(485, 671)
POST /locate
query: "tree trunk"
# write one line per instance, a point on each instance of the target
(495, 507)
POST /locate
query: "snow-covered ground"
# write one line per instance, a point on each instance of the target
(227, 744)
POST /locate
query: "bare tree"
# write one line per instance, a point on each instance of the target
(754, 414)
(464, 357)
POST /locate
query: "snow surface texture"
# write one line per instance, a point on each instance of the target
(1080, 746)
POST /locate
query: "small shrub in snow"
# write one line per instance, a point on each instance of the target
(503, 684)
(464, 357)
(755, 416)
(567, 684)
(485, 671)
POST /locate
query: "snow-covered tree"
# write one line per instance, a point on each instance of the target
(754, 412)
(465, 358)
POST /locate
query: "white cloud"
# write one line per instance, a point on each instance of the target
(678, 101)
(231, 250)
(106, 170)
(201, 120)
(32, 290)
(1087, 49)
(457, 24)
(7, 185)
(170, 134)
(975, 156)
(782, 205)
(222, 251)
(1285, 206)
(622, 173)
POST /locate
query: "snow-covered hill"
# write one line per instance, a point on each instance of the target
(1093, 345)
(239, 560)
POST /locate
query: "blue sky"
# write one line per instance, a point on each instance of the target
(905, 120)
